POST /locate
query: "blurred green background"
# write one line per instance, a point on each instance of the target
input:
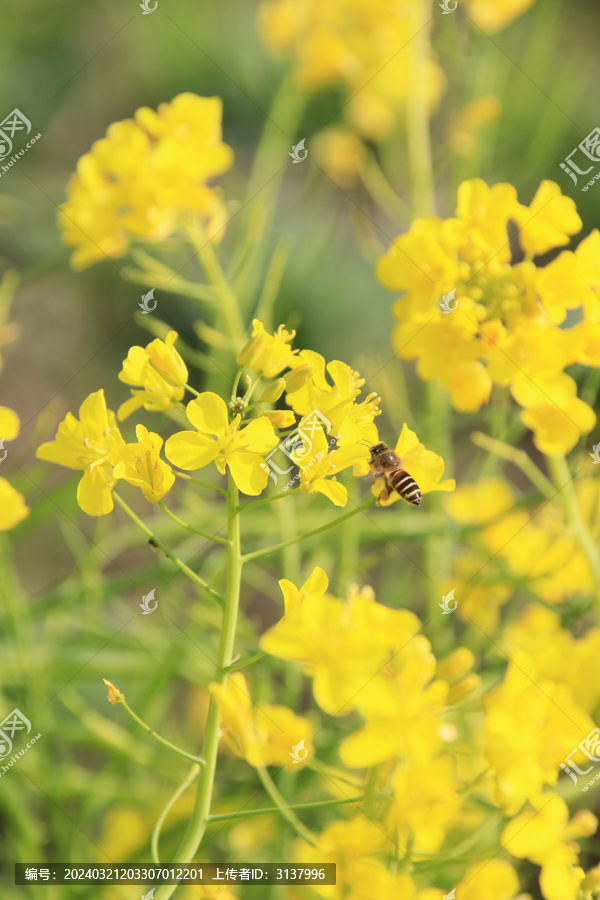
(74, 68)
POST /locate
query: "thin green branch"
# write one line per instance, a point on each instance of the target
(118, 698)
(563, 479)
(257, 554)
(282, 805)
(209, 537)
(518, 458)
(264, 500)
(174, 559)
(318, 804)
(204, 484)
(234, 667)
(189, 779)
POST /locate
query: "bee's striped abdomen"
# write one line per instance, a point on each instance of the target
(406, 486)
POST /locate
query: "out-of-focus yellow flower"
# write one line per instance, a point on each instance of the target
(140, 464)
(340, 644)
(494, 879)
(224, 442)
(350, 844)
(470, 318)
(319, 466)
(91, 444)
(141, 180)
(13, 508)
(529, 732)
(480, 502)
(159, 371)
(492, 15)
(426, 802)
(545, 836)
(425, 466)
(341, 154)
(268, 354)
(9, 424)
(262, 734)
(463, 137)
(344, 43)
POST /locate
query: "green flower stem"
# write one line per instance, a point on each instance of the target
(288, 814)
(227, 300)
(195, 759)
(192, 390)
(563, 480)
(382, 192)
(236, 382)
(264, 500)
(203, 484)
(174, 559)
(203, 534)
(318, 804)
(200, 815)
(257, 554)
(190, 777)
(332, 773)
(234, 667)
(518, 458)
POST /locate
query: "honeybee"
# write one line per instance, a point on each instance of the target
(387, 464)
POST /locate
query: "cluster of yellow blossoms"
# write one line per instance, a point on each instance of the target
(514, 546)
(447, 750)
(142, 180)
(329, 413)
(502, 321)
(343, 43)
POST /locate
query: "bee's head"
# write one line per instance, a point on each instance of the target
(376, 449)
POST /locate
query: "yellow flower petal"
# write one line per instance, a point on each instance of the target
(9, 424)
(190, 450)
(208, 413)
(12, 506)
(249, 471)
(93, 493)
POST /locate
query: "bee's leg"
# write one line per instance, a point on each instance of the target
(384, 494)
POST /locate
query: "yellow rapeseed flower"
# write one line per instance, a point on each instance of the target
(12, 506)
(425, 466)
(344, 42)
(224, 442)
(140, 464)
(144, 177)
(266, 353)
(545, 836)
(91, 444)
(262, 734)
(471, 318)
(159, 371)
(319, 465)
